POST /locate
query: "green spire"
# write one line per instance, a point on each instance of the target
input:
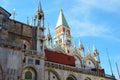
(61, 19)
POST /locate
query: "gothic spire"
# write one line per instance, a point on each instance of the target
(39, 12)
(48, 33)
(95, 52)
(94, 48)
(61, 20)
(48, 38)
(88, 49)
(81, 47)
(39, 9)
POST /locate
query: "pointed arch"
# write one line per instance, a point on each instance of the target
(89, 61)
(78, 61)
(50, 73)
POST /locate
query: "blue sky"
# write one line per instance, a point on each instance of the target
(94, 21)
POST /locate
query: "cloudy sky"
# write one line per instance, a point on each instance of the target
(93, 21)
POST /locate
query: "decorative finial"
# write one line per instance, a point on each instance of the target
(14, 14)
(31, 22)
(94, 48)
(80, 46)
(48, 31)
(74, 44)
(27, 20)
(89, 49)
(80, 42)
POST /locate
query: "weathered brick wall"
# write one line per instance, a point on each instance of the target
(20, 28)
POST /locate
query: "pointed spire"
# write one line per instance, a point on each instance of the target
(80, 43)
(94, 48)
(61, 19)
(48, 38)
(88, 49)
(39, 12)
(27, 20)
(80, 46)
(95, 52)
(31, 22)
(48, 32)
(39, 7)
(74, 44)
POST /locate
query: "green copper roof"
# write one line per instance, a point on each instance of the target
(61, 20)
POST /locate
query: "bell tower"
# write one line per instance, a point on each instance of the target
(62, 32)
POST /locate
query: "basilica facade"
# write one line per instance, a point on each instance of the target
(26, 52)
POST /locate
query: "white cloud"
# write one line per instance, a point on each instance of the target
(81, 24)
(107, 5)
(4, 3)
(88, 29)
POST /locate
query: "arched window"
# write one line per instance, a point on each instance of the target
(28, 75)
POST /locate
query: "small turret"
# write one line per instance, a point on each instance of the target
(48, 38)
(80, 46)
(96, 55)
(39, 18)
(95, 52)
(89, 49)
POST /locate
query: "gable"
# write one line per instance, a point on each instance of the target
(4, 12)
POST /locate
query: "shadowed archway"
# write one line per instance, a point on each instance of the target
(51, 75)
(71, 77)
(29, 73)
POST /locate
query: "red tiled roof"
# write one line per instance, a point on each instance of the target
(61, 58)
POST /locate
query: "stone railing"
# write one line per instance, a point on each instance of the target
(10, 44)
(32, 52)
(75, 69)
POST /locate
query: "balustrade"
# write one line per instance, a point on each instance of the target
(75, 69)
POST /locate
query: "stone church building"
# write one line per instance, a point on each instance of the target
(26, 52)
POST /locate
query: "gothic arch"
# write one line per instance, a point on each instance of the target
(89, 60)
(55, 74)
(78, 61)
(71, 77)
(29, 73)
